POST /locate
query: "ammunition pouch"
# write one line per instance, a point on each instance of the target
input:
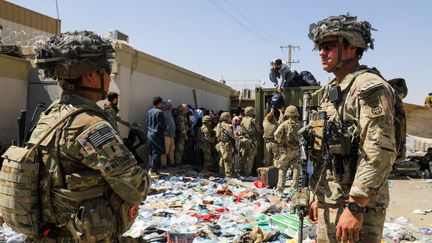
(338, 141)
(317, 123)
(87, 214)
(246, 144)
(93, 222)
(122, 209)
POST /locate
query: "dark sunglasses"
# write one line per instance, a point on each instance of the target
(327, 45)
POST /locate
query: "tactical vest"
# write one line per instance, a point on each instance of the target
(221, 133)
(19, 183)
(269, 129)
(248, 127)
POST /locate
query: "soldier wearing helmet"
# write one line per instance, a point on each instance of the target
(248, 141)
(90, 183)
(287, 138)
(181, 133)
(271, 148)
(225, 136)
(362, 114)
(207, 139)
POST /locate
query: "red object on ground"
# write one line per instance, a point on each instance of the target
(259, 184)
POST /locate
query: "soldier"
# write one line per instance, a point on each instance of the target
(181, 133)
(351, 187)
(225, 138)
(248, 141)
(271, 149)
(428, 100)
(111, 108)
(207, 143)
(90, 184)
(287, 138)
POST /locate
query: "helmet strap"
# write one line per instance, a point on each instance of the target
(100, 90)
(339, 61)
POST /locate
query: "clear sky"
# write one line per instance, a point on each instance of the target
(238, 38)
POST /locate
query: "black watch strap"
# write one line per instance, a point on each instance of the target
(355, 207)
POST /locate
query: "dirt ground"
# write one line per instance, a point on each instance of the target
(407, 195)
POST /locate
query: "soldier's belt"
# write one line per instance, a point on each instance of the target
(269, 140)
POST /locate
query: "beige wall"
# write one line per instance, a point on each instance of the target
(13, 80)
(23, 16)
(138, 77)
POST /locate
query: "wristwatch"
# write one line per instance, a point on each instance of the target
(355, 207)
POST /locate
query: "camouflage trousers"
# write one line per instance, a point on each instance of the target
(371, 231)
(179, 150)
(225, 162)
(288, 158)
(271, 153)
(208, 159)
(248, 152)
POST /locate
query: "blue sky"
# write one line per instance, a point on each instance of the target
(238, 39)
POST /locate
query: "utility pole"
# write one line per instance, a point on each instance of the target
(291, 48)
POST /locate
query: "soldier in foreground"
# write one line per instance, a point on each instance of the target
(90, 184)
(248, 141)
(225, 145)
(351, 186)
(288, 140)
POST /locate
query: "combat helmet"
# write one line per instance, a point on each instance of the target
(249, 111)
(206, 118)
(225, 116)
(291, 111)
(357, 33)
(66, 56)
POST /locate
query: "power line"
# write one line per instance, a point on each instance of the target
(264, 38)
(250, 21)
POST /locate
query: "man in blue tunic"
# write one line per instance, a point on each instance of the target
(155, 134)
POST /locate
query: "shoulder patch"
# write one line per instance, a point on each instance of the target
(369, 88)
(100, 136)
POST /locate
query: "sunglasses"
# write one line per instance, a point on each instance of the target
(327, 45)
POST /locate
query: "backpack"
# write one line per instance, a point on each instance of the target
(399, 120)
(19, 185)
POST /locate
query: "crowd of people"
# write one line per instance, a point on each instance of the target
(225, 143)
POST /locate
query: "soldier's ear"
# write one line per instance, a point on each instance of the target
(90, 78)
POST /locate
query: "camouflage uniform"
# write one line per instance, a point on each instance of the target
(181, 130)
(207, 143)
(428, 100)
(287, 138)
(225, 136)
(248, 142)
(271, 149)
(90, 183)
(367, 110)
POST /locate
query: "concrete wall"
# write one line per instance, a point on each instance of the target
(13, 80)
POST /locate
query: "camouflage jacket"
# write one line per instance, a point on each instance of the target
(224, 132)
(286, 133)
(86, 154)
(367, 110)
(181, 128)
(269, 128)
(207, 136)
(249, 128)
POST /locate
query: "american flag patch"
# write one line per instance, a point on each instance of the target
(100, 136)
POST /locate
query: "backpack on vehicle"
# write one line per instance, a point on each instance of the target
(19, 185)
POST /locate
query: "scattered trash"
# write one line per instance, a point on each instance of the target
(398, 230)
(422, 212)
(9, 236)
(425, 231)
(428, 180)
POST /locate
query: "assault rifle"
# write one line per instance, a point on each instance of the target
(302, 194)
(234, 143)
